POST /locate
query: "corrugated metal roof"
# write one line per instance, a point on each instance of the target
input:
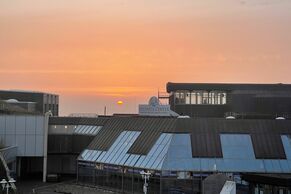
(205, 133)
(265, 135)
(78, 121)
(151, 129)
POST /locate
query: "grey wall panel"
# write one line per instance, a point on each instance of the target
(39, 145)
(39, 125)
(20, 142)
(10, 125)
(30, 145)
(2, 125)
(30, 125)
(20, 125)
(23, 130)
(10, 140)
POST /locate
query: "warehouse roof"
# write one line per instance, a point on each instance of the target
(205, 134)
(200, 144)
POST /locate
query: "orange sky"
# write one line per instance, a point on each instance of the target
(94, 53)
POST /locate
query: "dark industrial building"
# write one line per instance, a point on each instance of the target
(31, 102)
(236, 132)
(239, 100)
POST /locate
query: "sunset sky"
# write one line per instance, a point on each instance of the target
(94, 53)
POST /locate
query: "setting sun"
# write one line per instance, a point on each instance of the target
(119, 102)
(92, 52)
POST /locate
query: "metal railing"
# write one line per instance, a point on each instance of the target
(6, 155)
(9, 153)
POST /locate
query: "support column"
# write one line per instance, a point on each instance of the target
(161, 186)
(45, 144)
(18, 170)
(77, 167)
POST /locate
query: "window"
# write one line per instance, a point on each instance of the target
(193, 97)
(180, 97)
(223, 96)
(213, 97)
(205, 98)
(200, 97)
(188, 97)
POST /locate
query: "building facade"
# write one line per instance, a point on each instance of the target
(41, 102)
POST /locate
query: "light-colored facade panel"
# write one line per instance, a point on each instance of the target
(2, 125)
(24, 131)
(39, 145)
(39, 125)
(30, 146)
(10, 125)
(20, 142)
(30, 125)
(10, 140)
(20, 125)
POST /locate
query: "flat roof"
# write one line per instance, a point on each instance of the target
(226, 86)
(26, 91)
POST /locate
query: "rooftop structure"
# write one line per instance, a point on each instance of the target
(238, 100)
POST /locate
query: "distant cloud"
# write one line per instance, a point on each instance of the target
(262, 2)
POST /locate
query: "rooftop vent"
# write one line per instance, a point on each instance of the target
(230, 117)
(12, 101)
(183, 117)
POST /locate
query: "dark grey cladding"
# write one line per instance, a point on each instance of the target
(60, 143)
(68, 144)
(99, 121)
(280, 179)
(246, 101)
(204, 132)
(226, 87)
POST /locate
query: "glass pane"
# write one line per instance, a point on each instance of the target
(81, 127)
(193, 98)
(199, 97)
(87, 129)
(286, 140)
(237, 146)
(188, 96)
(91, 129)
(134, 160)
(84, 153)
(96, 155)
(101, 156)
(205, 98)
(77, 129)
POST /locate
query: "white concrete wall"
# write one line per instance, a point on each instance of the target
(24, 131)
